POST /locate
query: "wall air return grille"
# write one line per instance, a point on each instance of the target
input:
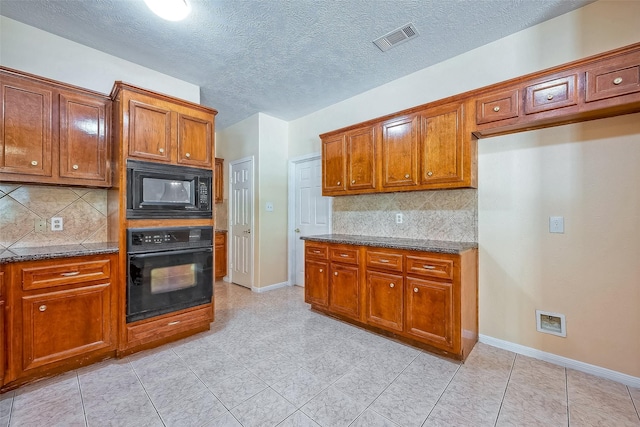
(396, 37)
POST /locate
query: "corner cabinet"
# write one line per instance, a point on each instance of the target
(63, 315)
(423, 149)
(427, 299)
(160, 128)
(218, 178)
(51, 133)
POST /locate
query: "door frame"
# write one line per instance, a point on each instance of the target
(252, 222)
(291, 220)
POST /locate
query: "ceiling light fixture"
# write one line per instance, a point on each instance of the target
(171, 10)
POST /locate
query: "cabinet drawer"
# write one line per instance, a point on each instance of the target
(499, 106)
(68, 273)
(168, 326)
(551, 94)
(316, 251)
(384, 260)
(346, 255)
(431, 267)
(614, 77)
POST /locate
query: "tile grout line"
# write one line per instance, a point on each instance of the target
(505, 388)
(442, 394)
(633, 402)
(146, 393)
(566, 393)
(84, 410)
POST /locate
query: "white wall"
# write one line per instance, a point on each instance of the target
(34, 51)
(585, 172)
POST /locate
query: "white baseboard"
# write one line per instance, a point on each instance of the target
(226, 279)
(629, 380)
(270, 287)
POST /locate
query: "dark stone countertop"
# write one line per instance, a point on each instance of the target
(438, 246)
(52, 252)
(219, 230)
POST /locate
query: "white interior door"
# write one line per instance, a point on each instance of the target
(241, 220)
(312, 211)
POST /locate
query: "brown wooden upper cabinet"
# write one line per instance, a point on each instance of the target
(219, 180)
(361, 159)
(164, 129)
(400, 152)
(51, 133)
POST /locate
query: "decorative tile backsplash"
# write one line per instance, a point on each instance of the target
(221, 213)
(83, 211)
(434, 215)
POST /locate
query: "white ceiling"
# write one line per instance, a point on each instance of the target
(285, 58)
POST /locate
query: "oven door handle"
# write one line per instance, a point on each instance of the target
(182, 252)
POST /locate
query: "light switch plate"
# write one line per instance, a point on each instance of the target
(556, 224)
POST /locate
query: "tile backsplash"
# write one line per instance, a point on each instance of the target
(83, 210)
(221, 215)
(435, 215)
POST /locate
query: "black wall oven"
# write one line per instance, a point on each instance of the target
(157, 190)
(169, 269)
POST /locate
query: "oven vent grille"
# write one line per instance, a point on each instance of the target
(396, 37)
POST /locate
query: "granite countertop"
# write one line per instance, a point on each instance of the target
(439, 246)
(219, 230)
(52, 252)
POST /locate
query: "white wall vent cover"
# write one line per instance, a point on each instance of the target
(396, 37)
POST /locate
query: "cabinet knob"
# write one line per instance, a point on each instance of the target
(42, 307)
(407, 176)
(549, 97)
(496, 109)
(74, 167)
(34, 163)
(391, 285)
(321, 270)
(617, 80)
(429, 173)
(415, 290)
(161, 150)
(338, 183)
(187, 155)
(335, 274)
(353, 182)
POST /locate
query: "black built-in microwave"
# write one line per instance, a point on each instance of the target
(156, 190)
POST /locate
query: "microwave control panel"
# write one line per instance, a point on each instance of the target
(204, 195)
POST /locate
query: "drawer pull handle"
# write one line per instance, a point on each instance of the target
(335, 274)
(391, 285)
(74, 167)
(429, 267)
(549, 97)
(187, 155)
(415, 290)
(321, 270)
(173, 323)
(496, 109)
(344, 255)
(316, 252)
(161, 150)
(338, 183)
(429, 173)
(34, 163)
(617, 80)
(384, 260)
(42, 307)
(70, 274)
(407, 176)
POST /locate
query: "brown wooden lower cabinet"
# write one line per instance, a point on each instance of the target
(221, 254)
(427, 299)
(62, 315)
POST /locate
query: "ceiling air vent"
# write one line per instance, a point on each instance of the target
(396, 37)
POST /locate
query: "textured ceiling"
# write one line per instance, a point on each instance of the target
(286, 58)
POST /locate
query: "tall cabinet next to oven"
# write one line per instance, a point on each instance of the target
(161, 130)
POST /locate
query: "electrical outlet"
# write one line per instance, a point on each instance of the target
(269, 207)
(56, 223)
(556, 224)
(398, 218)
(40, 225)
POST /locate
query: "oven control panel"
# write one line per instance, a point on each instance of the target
(165, 239)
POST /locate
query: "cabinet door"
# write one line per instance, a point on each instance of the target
(150, 131)
(219, 181)
(221, 255)
(441, 141)
(195, 141)
(429, 311)
(400, 152)
(63, 324)
(316, 290)
(361, 159)
(25, 127)
(333, 165)
(344, 290)
(384, 300)
(84, 138)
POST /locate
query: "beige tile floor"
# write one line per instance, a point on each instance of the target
(268, 360)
